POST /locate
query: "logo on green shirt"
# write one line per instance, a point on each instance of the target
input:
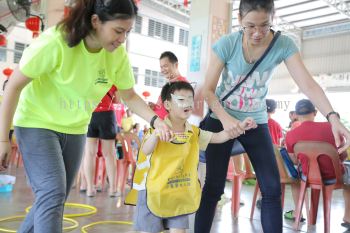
(101, 77)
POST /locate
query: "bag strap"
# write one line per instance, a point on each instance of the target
(277, 34)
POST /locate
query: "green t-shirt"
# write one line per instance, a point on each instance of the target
(68, 83)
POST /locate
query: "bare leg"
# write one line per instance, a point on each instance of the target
(81, 181)
(248, 167)
(238, 163)
(295, 193)
(346, 194)
(109, 152)
(91, 148)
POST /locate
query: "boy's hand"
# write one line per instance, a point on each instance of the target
(162, 130)
(248, 123)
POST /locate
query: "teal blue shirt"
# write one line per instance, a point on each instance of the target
(249, 99)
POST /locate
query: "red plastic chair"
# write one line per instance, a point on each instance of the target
(237, 175)
(128, 159)
(312, 150)
(284, 179)
(100, 167)
(16, 156)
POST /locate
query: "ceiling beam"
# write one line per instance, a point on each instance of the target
(342, 6)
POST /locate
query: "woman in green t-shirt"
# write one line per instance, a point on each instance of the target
(61, 78)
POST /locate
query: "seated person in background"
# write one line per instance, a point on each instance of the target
(293, 120)
(275, 128)
(312, 131)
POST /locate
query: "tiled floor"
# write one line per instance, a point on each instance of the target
(113, 209)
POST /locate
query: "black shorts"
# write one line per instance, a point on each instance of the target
(102, 125)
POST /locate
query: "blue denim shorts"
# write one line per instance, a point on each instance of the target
(145, 220)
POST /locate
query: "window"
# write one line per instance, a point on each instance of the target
(158, 29)
(183, 37)
(138, 24)
(171, 33)
(19, 47)
(136, 73)
(154, 79)
(3, 53)
(151, 24)
(161, 30)
(164, 32)
(148, 78)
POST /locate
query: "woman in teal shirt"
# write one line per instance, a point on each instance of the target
(233, 56)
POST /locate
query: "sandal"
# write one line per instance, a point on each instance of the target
(114, 194)
(290, 216)
(345, 224)
(249, 182)
(91, 194)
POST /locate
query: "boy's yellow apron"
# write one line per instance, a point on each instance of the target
(171, 177)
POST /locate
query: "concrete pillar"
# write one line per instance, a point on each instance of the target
(209, 20)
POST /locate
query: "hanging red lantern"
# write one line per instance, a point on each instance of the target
(3, 40)
(33, 23)
(7, 72)
(66, 11)
(146, 94)
(185, 3)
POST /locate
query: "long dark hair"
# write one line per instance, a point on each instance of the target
(246, 6)
(77, 24)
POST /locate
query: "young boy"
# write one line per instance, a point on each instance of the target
(166, 175)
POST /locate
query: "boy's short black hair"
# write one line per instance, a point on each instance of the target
(171, 87)
(170, 55)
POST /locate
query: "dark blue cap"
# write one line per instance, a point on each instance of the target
(304, 107)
